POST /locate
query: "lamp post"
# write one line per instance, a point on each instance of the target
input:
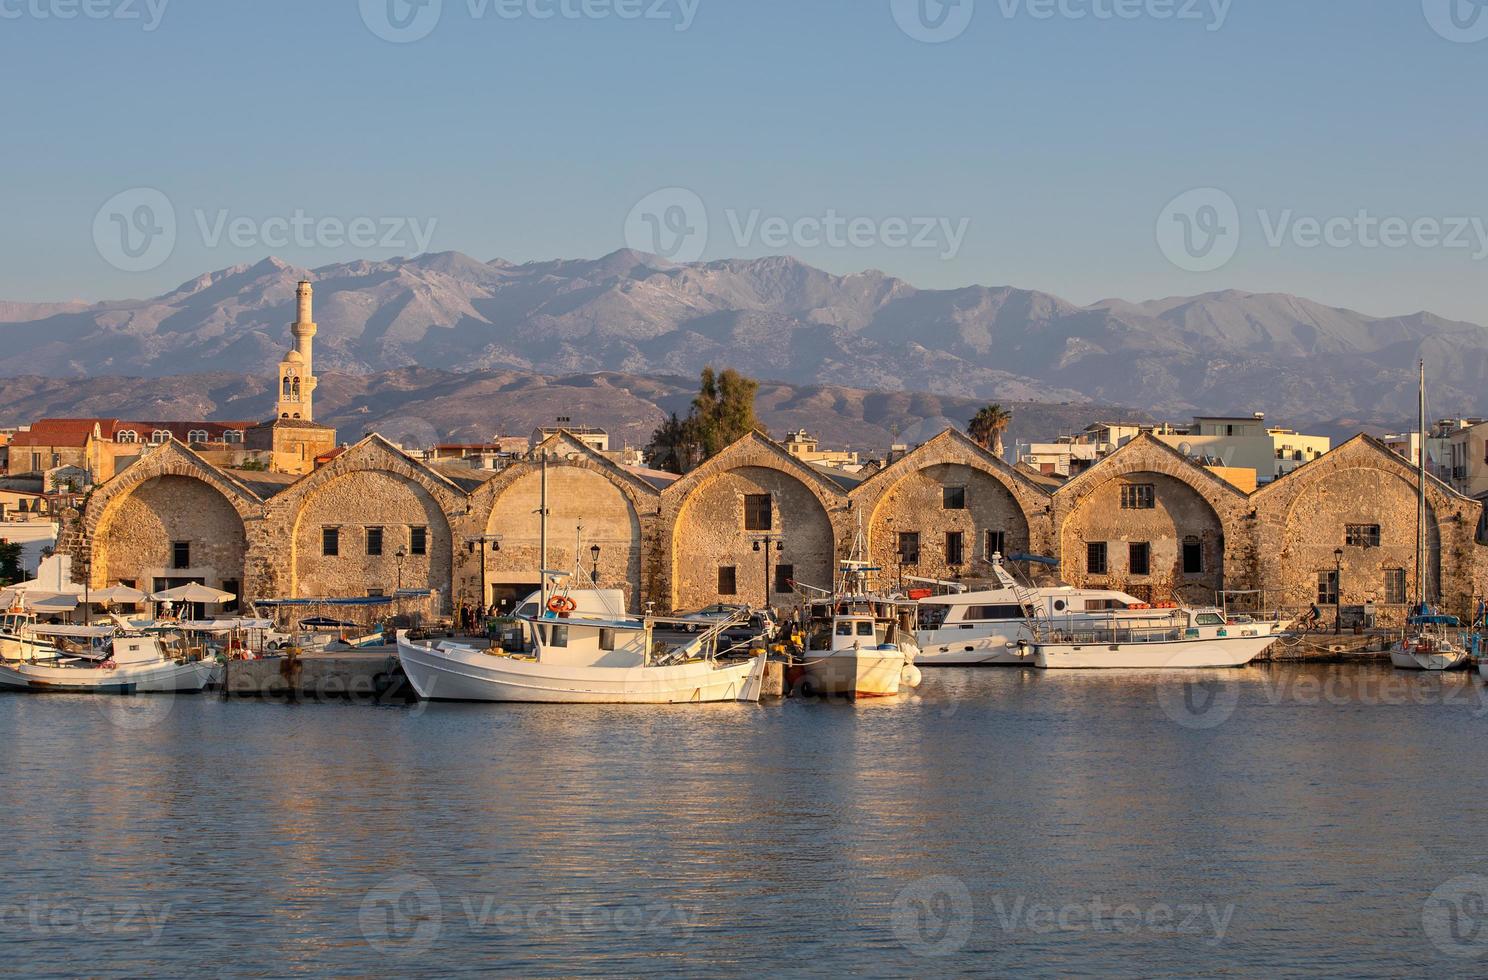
(762, 546)
(594, 567)
(400, 557)
(480, 543)
(1337, 591)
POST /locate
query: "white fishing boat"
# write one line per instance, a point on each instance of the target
(1432, 641)
(116, 661)
(579, 647)
(858, 644)
(1166, 639)
(570, 653)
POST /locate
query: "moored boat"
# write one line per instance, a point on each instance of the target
(119, 662)
(858, 644)
(567, 654)
(1178, 638)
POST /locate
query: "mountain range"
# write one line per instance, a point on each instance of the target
(631, 314)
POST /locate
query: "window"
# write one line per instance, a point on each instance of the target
(160, 436)
(993, 612)
(330, 541)
(374, 540)
(558, 636)
(1138, 496)
(1095, 557)
(197, 436)
(757, 516)
(235, 587)
(376, 593)
(955, 548)
(1361, 535)
(180, 554)
(996, 543)
(1139, 558)
(865, 628)
(728, 580)
(607, 640)
(127, 435)
(1193, 556)
(418, 541)
(1327, 590)
(954, 498)
(233, 437)
(785, 578)
(909, 547)
(1395, 586)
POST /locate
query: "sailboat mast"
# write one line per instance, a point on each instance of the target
(1421, 493)
(542, 536)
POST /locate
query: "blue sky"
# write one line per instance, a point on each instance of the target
(1030, 150)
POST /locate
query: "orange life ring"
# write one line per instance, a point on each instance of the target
(562, 604)
(108, 665)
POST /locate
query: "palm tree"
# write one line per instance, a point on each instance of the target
(988, 426)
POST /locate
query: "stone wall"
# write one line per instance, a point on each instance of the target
(138, 535)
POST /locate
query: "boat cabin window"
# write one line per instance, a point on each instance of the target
(558, 636)
(865, 628)
(1208, 619)
(1102, 605)
(607, 639)
(993, 612)
(932, 616)
(1059, 605)
(844, 629)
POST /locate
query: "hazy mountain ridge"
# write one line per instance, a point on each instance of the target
(776, 318)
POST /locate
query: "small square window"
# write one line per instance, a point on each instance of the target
(909, 547)
(180, 554)
(757, 512)
(1327, 591)
(1361, 535)
(418, 541)
(374, 540)
(1139, 558)
(954, 498)
(1395, 586)
(1138, 496)
(955, 548)
(1095, 557)
(728, 580)
(1193, 556)
(330, 541)
(785, 579)
(996, 543)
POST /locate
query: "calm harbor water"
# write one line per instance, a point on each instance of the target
(1276, 820)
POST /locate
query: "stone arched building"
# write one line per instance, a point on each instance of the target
(756, 519)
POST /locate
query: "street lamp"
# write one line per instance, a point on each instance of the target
(594, 569)
(400, 557)
(762, 546)
(494, 540)
(1337, 591)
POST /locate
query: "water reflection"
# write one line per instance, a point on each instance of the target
(1015, 820)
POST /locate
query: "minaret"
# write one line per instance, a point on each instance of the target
(296, 371)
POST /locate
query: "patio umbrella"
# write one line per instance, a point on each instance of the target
(193, 593)
(49, 602)
(116, 593)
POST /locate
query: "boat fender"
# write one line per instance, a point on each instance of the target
(108, 665)
(910, 676)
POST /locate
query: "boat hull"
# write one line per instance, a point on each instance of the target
(854, 673)
(473, 675)
(1235, 651)
(155, 678)
(987, 651)
(1410, 660)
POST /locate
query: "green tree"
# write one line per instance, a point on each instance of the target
(672, 447)
(722, 413)
(10, 563)
(989, 425)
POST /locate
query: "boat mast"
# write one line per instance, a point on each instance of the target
(542, 537)
(1421, 493)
